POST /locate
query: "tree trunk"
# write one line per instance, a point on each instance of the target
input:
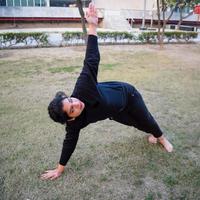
(164, 23)
(189, 14)
(159, 24)
(80, 7)
(181, 19)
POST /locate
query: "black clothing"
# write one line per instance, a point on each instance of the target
(115, 100)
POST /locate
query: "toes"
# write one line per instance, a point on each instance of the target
(152, 139)
(169, 148)
(167, 145)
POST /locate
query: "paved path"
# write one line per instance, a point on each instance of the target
(48, 30)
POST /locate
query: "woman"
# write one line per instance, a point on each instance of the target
(92, 101)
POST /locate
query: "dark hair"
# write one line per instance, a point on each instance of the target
(55, 108)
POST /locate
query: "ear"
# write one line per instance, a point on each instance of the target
(71, 119)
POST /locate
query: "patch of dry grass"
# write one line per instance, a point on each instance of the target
(111, 161)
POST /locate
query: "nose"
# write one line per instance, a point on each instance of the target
(76, 104)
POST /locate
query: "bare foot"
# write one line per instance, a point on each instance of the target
(165, 143)
(152, 139)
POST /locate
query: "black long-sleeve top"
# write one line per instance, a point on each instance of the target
(102, 100)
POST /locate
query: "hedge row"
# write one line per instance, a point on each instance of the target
(152, 37)
(103, 35)
(11, 39)
(41, 39)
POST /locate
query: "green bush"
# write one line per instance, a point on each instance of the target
(116, 35)
(152, 37)
(73, 35)
(10, 39)
(15, 38)
(101, 35)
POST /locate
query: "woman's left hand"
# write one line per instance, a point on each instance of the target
(91, 15)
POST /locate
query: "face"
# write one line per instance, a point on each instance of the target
(73, 107)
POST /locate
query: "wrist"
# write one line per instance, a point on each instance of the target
(92, 30)
(60, 168)
(92, 26)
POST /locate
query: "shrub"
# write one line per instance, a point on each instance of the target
(73, 35)
(152, 37)
(41, 39)
(11, 39)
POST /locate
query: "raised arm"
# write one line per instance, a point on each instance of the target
(92, 56)
(91, 61)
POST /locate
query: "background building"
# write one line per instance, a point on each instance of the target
(113, 14)
(38, 3)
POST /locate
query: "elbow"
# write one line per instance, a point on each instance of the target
(93, 58)
(98, 57)
(92, 61)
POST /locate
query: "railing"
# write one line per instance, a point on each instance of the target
(152, 14)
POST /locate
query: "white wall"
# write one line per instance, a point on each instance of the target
(40, 12)
(124, 4)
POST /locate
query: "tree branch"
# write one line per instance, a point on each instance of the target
(189, 14)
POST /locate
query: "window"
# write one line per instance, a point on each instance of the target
(86, 3)
(67, 3)
(10, 2)
(23, 3)
(37, 2)
(2, 2)
(58, 3)
(30, 3)
(17, 3)
(53, 3)
(43, 3)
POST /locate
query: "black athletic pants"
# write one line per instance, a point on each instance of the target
(136, 114)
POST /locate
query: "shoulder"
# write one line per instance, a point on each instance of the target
(77, 124)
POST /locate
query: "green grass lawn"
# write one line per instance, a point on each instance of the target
(111, 161)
